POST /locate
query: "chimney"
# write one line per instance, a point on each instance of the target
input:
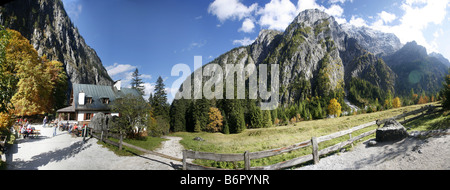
(118, 85)
(81, 98)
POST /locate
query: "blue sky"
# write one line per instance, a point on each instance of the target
(155, 35)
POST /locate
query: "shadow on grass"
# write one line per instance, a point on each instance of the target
(437, 120)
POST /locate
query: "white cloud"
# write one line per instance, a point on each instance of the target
(119, 69)
(243, 42)
(387, 17)
(148, 89)
(124, 73)
(308, 4)
(278, 14)
(418, 16)
(339, 1)
(231, 9)
(337, 12)
(247, 26)
(357, 21)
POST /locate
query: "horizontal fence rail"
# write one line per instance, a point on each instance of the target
(314, 142)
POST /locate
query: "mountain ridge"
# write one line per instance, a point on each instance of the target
(312, 38)
(48, 27)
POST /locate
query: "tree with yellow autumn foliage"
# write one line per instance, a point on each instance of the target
(334, 108)
(38, 81)
(215, 121)
(396, 103)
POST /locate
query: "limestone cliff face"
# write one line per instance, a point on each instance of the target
(48, 27)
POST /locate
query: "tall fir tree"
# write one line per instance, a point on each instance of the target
(136, 82)
(178, 111)
(158, 101)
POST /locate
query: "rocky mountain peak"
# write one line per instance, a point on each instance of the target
(377, 42)
(310, 17)
(48, 27)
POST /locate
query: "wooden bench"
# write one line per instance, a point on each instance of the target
(35, 133)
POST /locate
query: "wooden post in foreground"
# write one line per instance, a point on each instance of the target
(121, 140)
(184, 160)
(315, 150)
(247, 160)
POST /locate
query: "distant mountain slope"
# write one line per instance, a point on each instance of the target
(416, 69)
(48, 27)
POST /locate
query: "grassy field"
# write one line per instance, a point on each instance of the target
(254, 140)
(149, 143)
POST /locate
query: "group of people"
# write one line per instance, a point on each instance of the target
(25, 127)
(76, 130)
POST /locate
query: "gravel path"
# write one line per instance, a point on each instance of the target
(64, 152)
(408, 154)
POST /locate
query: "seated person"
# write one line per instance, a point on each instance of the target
(24, 132)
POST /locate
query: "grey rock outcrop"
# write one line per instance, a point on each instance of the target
(101, 122)
(391, 131)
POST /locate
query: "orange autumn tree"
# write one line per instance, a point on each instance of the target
(35, 75)
(215, 121)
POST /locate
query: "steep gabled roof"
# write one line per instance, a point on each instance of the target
(97, 92)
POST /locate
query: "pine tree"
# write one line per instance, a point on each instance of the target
(267, 118)
(178, 111)
(235, 115)
(201, 111)
(158, 101)
(136, 82)
(197, 127)
(226, 128)
(255, 116)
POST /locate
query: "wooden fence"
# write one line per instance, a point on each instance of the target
(314, 142)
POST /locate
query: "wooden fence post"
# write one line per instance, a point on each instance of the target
(247, 160)
(184, 160)
(101, 136)
(315, 150)
(349, 138)
(121, 140)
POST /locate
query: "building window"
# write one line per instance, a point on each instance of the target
(88, 116)
(105, 100)
(88, 100)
